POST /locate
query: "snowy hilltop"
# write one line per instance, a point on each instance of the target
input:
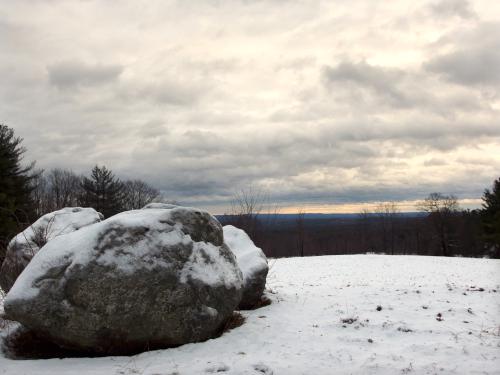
(369, 314)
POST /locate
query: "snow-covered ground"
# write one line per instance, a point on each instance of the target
(435, 316)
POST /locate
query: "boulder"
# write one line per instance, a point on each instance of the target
(252, 262)
(139, 280)
(26, 244)
(156, 205)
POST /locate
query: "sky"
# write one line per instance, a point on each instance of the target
(327, 106)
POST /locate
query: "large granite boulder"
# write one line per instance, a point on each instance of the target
(26, 244)
(252, 262)
(139, 280)
(156, 205)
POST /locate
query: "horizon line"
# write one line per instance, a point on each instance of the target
(403, 206)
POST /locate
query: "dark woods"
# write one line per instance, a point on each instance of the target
(103, 191)
(441, 228)
(405, 234)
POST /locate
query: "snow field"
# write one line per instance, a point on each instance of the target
(353, 314)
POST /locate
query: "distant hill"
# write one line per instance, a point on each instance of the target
(316, 216)
(314, 219)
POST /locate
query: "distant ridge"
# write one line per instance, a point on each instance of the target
(320, 216)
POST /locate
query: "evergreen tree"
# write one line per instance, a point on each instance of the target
(102, 191)
(490, 215)
(15, 188)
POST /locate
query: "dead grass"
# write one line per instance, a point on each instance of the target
(264, 301)
(235, 321)
(21, 343)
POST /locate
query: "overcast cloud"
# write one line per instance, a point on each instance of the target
(313, 101)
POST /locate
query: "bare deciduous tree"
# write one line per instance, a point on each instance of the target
(137, 194)
(300, 231)
(54, 190)
(246, 205)
(252, 211)
(249, 201)
(364, 219)
(64, 188)
(39, 193)
(441, 209)
(387, 213)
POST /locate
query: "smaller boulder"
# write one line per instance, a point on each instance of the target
(252, 262)
(26, 244)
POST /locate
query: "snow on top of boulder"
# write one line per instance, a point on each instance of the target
(250, 258)
(144, 233)
(214, 272)
(205, 263)
(156, 205)
(53, 224)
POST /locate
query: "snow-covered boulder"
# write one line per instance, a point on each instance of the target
(252, 262)
(26, 244)
(156, 205)
(138, 280)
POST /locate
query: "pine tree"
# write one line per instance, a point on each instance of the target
(490, 215)
(102, 191)
(15, 187)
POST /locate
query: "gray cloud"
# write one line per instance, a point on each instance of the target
(153, 129)
(383, 81)
(366, 74)
(71, 74)
(474, 58)
(171, 93)
(377, 89)
(434, 162)
(468, 67)
(223, 163)
(459, 8)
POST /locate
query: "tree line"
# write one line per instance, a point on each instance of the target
(441, 228)
(102, 190)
